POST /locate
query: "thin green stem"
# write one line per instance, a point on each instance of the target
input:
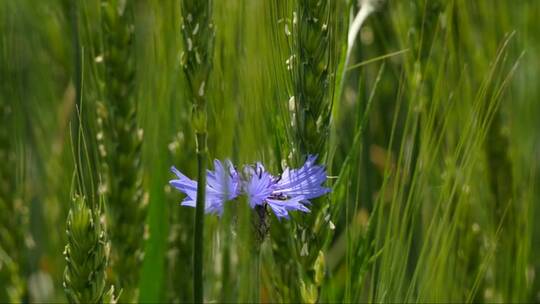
(260, 226)
(198, 240)
(77, 76)
(198, 36)
(256, 260)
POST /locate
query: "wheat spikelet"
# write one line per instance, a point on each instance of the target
(312, 74)
(316, 49)
(86, 254)
(198, 37)
(119, 144)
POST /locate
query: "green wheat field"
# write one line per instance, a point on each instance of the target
(424, 114)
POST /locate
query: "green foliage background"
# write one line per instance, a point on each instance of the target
(433, 153)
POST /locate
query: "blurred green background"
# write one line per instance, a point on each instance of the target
(433, 153)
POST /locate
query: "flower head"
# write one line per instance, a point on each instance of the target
(222, 184)
(290, 192)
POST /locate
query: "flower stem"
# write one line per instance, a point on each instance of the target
(198, 36)
(198, 240)
(256, 260)
(261, 230)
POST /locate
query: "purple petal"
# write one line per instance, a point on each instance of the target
(293, 204)
(222, 184)
(234, 184)
(223, 181)
(259, 185)
(279, 211)
(184, 184)
(306, 181)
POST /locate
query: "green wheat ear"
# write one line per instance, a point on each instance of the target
(315, 44)
(313, 74)
(198, 37)
(119, 142)
(86, 254)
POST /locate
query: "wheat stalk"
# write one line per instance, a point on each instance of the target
(198, 37)
(315, 56)
(119, 142)
(367, 7)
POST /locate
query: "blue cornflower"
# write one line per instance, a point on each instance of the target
(289, 192)
(222, 184)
